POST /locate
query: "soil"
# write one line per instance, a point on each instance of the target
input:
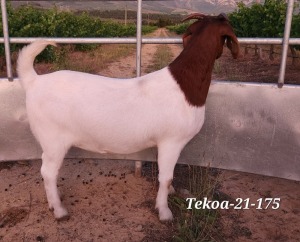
(251, 67)
(107, 203)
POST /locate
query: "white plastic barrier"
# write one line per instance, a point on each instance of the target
(248, 127)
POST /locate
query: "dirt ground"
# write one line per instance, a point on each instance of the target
(261, 225)
(257, 68)
(107, 203)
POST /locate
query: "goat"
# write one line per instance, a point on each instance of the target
(108, 115)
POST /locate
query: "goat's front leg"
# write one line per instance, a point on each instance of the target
(167, 158)
(49, 170)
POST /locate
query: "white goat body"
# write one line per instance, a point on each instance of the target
(106, 115)
(109, 115)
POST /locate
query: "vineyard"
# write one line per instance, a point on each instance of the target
(32, 22)
(263, 20)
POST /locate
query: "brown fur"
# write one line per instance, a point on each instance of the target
(203, 43)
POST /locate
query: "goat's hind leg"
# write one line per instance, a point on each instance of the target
(51, 163)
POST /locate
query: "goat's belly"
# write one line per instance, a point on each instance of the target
(121, 146)
(128, 138)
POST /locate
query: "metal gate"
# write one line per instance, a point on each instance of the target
(258, 130)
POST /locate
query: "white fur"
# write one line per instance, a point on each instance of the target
(106, 115)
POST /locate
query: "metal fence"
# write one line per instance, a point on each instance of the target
(269, 165)
(285, 41)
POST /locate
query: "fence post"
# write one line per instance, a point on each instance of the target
(6, 40)
(285, 43)
(138, 164)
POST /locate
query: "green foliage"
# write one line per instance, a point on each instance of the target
(247, 21)
(295, 30)
(28, 21)
(262, 20)
(179, 28)
(258, 20)
(274, 18)
(148, 29)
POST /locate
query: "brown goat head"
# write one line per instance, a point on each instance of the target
(222, 27)
(203, 43)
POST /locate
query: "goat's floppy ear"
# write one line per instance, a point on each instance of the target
(232, 42)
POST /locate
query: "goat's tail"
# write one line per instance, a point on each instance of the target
(25, 61)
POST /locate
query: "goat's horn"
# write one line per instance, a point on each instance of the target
(194, 16)
(223, 15)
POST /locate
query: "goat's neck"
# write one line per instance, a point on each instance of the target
(193, 72)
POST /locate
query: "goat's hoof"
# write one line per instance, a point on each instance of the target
(165, 215)
(61, 214)
(64, 218)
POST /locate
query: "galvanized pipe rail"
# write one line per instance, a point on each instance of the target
(144, 40)
(285, 44)
(138, 164)
(6, 40)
